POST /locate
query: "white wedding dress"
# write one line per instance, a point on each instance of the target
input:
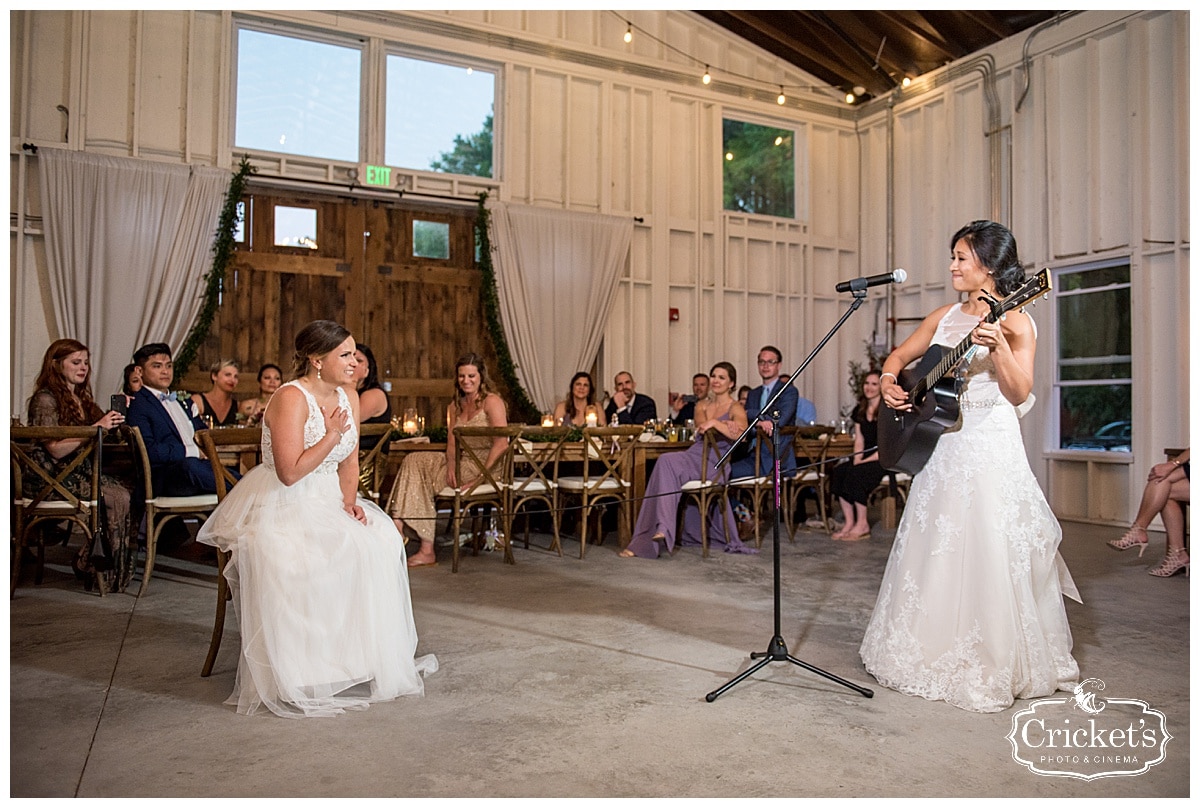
(321, 599)
(970, 609)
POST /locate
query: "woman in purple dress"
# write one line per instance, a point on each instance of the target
(656, 521)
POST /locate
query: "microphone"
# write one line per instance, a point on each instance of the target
(858, 284)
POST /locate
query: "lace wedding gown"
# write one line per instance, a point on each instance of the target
(970, 609)
(322, 599)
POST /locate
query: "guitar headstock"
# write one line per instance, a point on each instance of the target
(1036, 286)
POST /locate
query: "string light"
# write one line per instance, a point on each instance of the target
(706, 78)
(905, 81)
(849, 98)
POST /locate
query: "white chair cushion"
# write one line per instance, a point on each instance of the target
(576, 484)
(531, 485)
(197, 501)
(54, 506)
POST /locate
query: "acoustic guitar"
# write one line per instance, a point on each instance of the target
(907, 439)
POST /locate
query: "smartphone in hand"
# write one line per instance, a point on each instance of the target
(117, 402)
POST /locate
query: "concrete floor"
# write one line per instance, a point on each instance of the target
(568, 678)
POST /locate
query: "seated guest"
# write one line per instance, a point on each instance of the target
(853, 480)
(1168, 485)
(218, 407)
(806, 412)
(269, 378)
(168, 423)
(630, 406)
(683, 408)
(656, 520)
(374, 405)
(423, 474)
(743, 394)
(63, 397)
(572, 411)
(131, 382)
(769, 360)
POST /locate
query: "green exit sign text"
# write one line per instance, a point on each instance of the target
(379, 175)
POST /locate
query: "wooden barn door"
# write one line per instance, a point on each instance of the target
(418, 314)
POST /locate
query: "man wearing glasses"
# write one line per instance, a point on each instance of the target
(769, 364)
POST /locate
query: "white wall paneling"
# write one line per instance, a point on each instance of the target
(1094, 164)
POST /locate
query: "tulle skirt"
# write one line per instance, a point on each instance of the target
(321, 599)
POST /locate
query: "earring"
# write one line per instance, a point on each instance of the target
(318, 372)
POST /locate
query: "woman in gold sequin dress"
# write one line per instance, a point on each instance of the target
(423, 474)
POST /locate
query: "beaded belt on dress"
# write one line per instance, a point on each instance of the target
(965, 404)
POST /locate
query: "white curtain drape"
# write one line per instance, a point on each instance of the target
(556, 277)
(127, 245)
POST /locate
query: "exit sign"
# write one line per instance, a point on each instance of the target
(378, 175)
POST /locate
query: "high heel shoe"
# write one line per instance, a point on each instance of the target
(1130, 540)
(1175, 561)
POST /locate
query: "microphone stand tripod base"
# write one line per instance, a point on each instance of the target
(777, 652)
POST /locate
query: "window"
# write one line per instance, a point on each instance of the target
(760, 169)
(1094, 379)
(295, 227)
(431, 239)
(439, 117)
(297, 96)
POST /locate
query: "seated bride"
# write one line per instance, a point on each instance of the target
(318, 574)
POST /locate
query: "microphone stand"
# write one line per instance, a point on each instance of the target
(777, 649)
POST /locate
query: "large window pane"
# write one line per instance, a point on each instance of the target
(431, 239)
(297, 96)
(760, 169)
(439, 117)
(1095, 365)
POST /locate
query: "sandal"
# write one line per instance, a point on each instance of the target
(1175, 561)
(1130, 540)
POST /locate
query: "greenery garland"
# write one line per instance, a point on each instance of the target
(222, 250)
(522, 409)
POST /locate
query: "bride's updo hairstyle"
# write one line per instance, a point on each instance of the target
(316, 339)
(996, 248)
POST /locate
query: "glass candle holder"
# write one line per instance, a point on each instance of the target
(547, 419)
(411, 425)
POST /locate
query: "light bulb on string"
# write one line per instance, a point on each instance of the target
(707, 78)
(905, 81)
(782, 99)
(629, 33)
(849, 98)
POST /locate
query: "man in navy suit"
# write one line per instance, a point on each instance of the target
(769, 361)
(168, 424)
(630, 406)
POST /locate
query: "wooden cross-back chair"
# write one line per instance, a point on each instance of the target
(371, 461)
(812, 450)
(211, 442)
(707, 491)
(162, 509)
(757, 486)
(52, 498)
(487, 492)
(535, 476)
(606, 477)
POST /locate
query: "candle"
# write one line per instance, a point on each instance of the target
(411, 424)
(410, 427)
(547, 419)
(590, 419)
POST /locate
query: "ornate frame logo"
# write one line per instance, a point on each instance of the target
(1087, 737)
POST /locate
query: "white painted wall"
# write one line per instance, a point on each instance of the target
(1094, 164)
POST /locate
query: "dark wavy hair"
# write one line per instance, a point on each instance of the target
(485, 387)
(994, 247)
(316, 339)
(126, 379)
(591, 396)
(731, 370)
(371, 380)
(267, 367)
(860, 410)
(83, 412)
